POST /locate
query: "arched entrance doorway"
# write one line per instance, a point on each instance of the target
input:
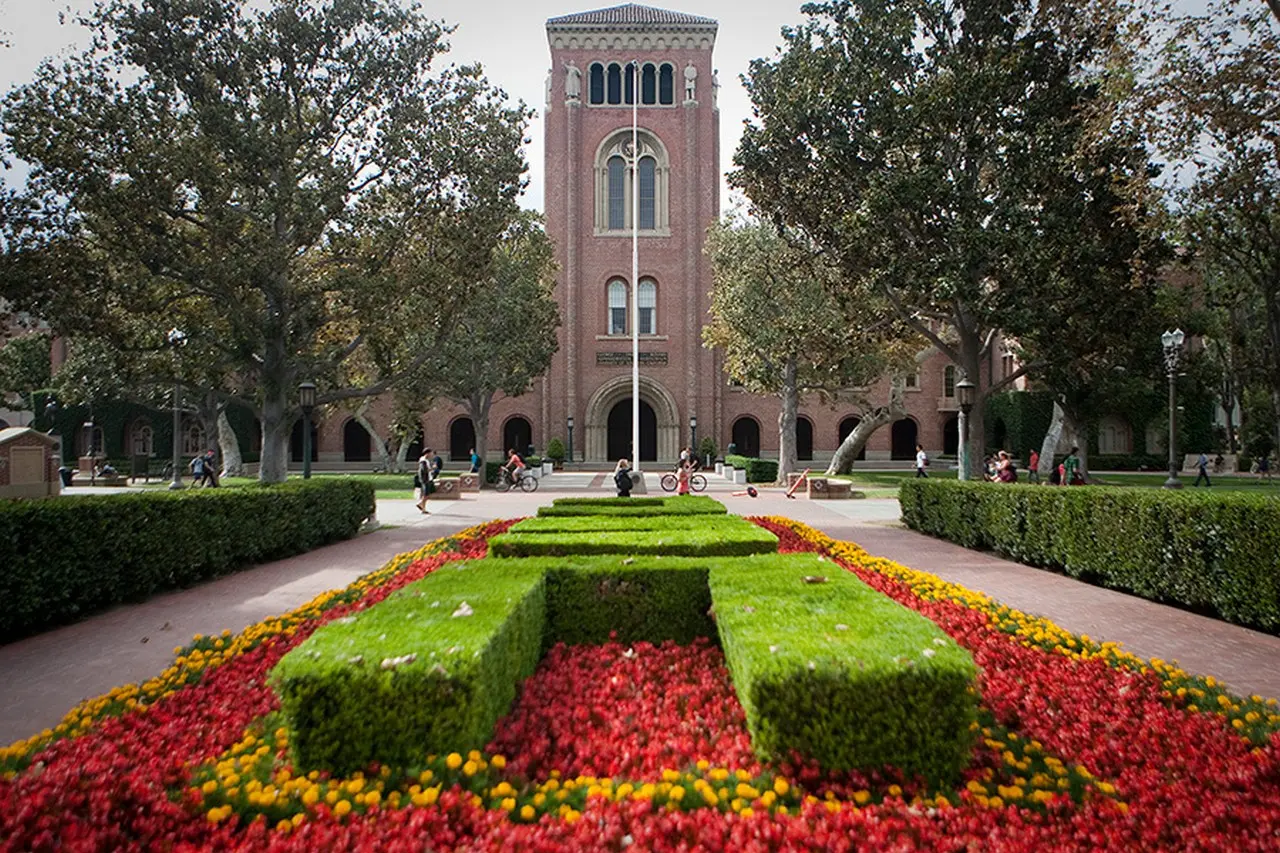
(746, 435)
(1000, 434)
(847, 426)
(295, 442)
(904, 439)
(804, 439)
(619, 442)
(462, 437)
(415, 448)
(951, 436)
(660, 440)
(517, 435)
(356, 446)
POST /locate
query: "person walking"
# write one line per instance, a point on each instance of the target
(1071, 469)
(475, 461)
(210, 469)
(682, 479)
(922, 461)
(1264, 468)
(1202, 465)
(1033, 468)
(622, 478)
(429, 466)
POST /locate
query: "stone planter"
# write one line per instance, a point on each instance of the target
(468, 482)
(739, 476)
(548, 467)
(447, 489)
(719, 469)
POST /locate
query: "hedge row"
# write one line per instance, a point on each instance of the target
(723, 537)
(729, 525)
(841, 673)
(366, 688)
(1205, 550)
(63, 559)
(634, 508)
(758, 470)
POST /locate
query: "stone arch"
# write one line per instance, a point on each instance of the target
(903, 438)
(609, 394)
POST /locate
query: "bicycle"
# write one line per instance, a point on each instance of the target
(697, 482)
(527, 482)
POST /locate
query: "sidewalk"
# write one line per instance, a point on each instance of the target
(45, 675)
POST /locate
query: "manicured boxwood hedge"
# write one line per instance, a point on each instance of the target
(710, 536)
(758, 470)
(635, 507)
(1200, 549)
(729, 524)
(64, 558)
(351, 693)
(841, 673)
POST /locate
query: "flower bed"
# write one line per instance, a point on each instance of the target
(615, 746)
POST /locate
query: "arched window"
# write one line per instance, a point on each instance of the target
(517, 435)
(141, 439)
(647, 301)
(666, 93)
(615, 83)
(596, 85)
(949, 381)
(356, 444)
(617, 307)
(649, 85)
(614, 184)
(617, 193)
(629, 88)
(804, 439)
(462, 439)
(648, 185)
(746, 436)
(192, 439)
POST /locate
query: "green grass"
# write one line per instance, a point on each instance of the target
(710, 536)
(728, 525)
(634, 507)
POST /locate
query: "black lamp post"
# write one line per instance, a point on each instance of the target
(306, 399)
(86, 430)
(964, 396)
(693, 435)
(177, 340)
(569, 422)
(1172, 342)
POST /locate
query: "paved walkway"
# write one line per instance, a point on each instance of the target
(45, 675)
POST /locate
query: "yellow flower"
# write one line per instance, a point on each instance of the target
(527, 812)
(454, 761)
(342, 808)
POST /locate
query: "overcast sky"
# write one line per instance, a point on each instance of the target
(508, 37)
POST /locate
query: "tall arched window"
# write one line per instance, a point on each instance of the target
(614, 184)
(648, 187)
(617, 307)
(949, 381)
(596, 87)
(647, 301)
(629, 84)
(649, 85)
(617, 192)
(615, 83)
(666, 93)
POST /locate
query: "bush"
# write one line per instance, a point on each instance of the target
(707, 448)
(1205, 550)
(63, 559)
(758, 470)
(491, 470)
(555, 450)
(841, 673)
(635, 507)
(1128, 462)
(711, 536)
(366, 689)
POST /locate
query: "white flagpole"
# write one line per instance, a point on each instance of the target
(635, 268)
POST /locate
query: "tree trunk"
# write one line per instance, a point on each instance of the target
(842, 461)
(478, 407)
(229, 444)
(1050, 444)
(1079, 441)
(375, 440)
(787, 421)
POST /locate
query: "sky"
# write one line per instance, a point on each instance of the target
(508, 38)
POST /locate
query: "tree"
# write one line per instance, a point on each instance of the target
(295, 187)
(504, 337)
(24, 369)
(781, 331)
(938, 150)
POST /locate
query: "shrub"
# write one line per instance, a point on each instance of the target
(63, 559)
(841, 673)
(707, 448)
(555, 450)
(729, 525)
(410, 676)
(633, 507)
(710, 536)
(1214, 551)
(758, 470)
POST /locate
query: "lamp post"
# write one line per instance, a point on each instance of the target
(964, 396)
(177, 340)
(307, 400)
(570, 424)
(693, 435)
(1172, 342)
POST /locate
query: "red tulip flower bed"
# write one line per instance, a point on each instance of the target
(643, 747)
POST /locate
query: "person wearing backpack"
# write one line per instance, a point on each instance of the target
(922, 461)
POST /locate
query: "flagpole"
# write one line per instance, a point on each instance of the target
(635, 267)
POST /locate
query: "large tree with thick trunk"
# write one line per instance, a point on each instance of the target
(937, 150)
(298, 187)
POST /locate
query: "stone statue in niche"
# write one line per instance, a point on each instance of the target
(572, 82)
(690, 82)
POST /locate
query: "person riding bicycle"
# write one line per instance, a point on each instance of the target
(514, 467)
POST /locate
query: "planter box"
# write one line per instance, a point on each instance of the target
(447, 489)
(720, 469)
(548, 467)
(821, 489)
(793, 477)
(468, 482)
(739, 476)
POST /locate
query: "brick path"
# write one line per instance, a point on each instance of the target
(45, 675)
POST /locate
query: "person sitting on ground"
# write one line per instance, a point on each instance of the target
(514, 467)
(622, 478)
(1005, 470)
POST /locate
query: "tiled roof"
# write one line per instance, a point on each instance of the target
(630, 14)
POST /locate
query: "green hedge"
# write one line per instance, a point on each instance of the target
(408, 677)
(841, 673)
(635, 507)
(758, 470)
(729, 525)
(65, 558)
(1205, 550)
(711, 536)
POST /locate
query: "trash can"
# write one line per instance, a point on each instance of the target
(65, 473)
